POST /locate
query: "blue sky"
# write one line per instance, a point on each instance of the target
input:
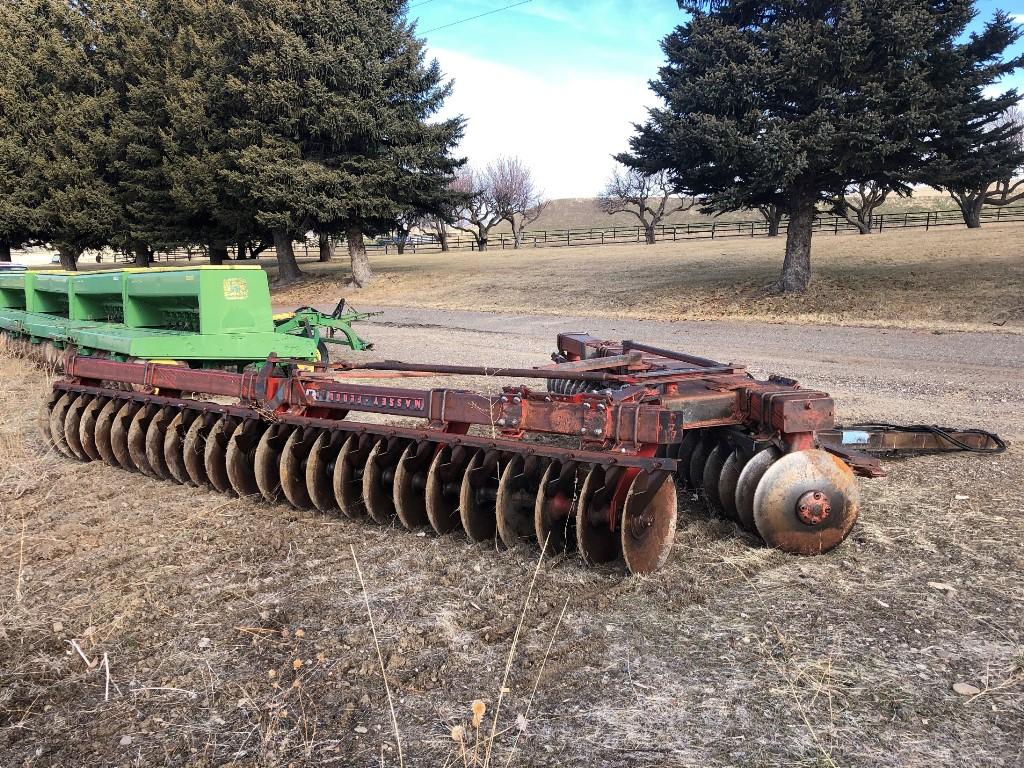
(558, 82)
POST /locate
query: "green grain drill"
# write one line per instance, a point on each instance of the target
(206, 317)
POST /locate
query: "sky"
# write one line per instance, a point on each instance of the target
(559, 83)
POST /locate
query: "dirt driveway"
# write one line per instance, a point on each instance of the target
(236, 632)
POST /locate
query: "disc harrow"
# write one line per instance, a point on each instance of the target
(590, 464)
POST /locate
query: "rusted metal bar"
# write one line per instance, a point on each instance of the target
(480, 370)
(703, 362)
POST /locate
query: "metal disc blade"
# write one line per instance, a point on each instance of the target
(137, 439)
(348, 478)
(699, 457)
(216, 453)
(727, 481)
(194, 449)
(747, 485)
(57, 416)
(87, 427)
(320, 470)
(411, 483)
(687, 445)
(595, 539)
(806, 503)
(104, 423)
(241, 457)
(293, 467)
(444, 484)
(119, 434)
(517, 498)
(648, 523)
(475, 509)
(378, 491)
(554, 513)
(43, 418)
(72, 425)
(712, 474)
(155, 437)
(174, 446)
(268, 460)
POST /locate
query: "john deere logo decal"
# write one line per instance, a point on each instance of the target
(235, 289)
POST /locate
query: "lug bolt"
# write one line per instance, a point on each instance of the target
(517, 400)
(586, 406)
(501, 422)
(598, 432)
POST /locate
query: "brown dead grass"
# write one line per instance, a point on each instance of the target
(947, 279)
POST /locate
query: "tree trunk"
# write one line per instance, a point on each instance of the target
(401, 240)
(287, 266)
(774, 223)
(972, 213)
(5, 250)
(361, 272)
(649, 235)
(442, 236)
(481, 242)
(241, 250)
(143, 256)
(68, 257)
(218, 253)
(326, 248)
(796, 268)
(517, 232)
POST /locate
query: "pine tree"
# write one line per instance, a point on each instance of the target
(977, 149)
(790, 102)
(327, 107)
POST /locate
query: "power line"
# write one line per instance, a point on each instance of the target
(417, 5)
(478, 16)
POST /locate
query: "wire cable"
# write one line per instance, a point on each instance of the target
(478, 16)
(417, 5)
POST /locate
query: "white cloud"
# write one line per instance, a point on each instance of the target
(566, 126)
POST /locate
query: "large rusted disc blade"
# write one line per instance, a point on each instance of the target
(194, 448)
(596, 538)
(554, 513)
(727, 481)
(119, 433)
(699, 457)
(174, 445)
(241, 457)
(72, 425)
(104, 424)
(747, 485)
(648, 522)
(691, 439)
(478, 495)
(517, 499)
(87, 427)
(57, 416)
(411, 484)
(293, 466)
(216, 453)
(444, 484)
(137, 438)
(268, 460)
(156, 435)
(43, 417)
(379, 479)
(348, 475)
(712, 474)
(806, 503)
(320, 470)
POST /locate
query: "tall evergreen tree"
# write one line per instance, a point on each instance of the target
(790, 102)
(327, 104)
(977, 148)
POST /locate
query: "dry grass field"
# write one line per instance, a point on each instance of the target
(219, 631)
(944, 279)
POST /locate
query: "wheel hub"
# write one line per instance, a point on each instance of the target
(813, 508)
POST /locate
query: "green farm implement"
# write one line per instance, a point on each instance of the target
(205, 317)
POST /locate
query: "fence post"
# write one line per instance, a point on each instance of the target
(881, 222)
(999, 213)
(927, 221)
(602, 237)
(836, 229)
(568, 237)
(713, 223)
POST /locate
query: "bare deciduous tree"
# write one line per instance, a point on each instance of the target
(515, 194)
(438, 227)
(649, 197)
(858, 205)
(480, 212)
